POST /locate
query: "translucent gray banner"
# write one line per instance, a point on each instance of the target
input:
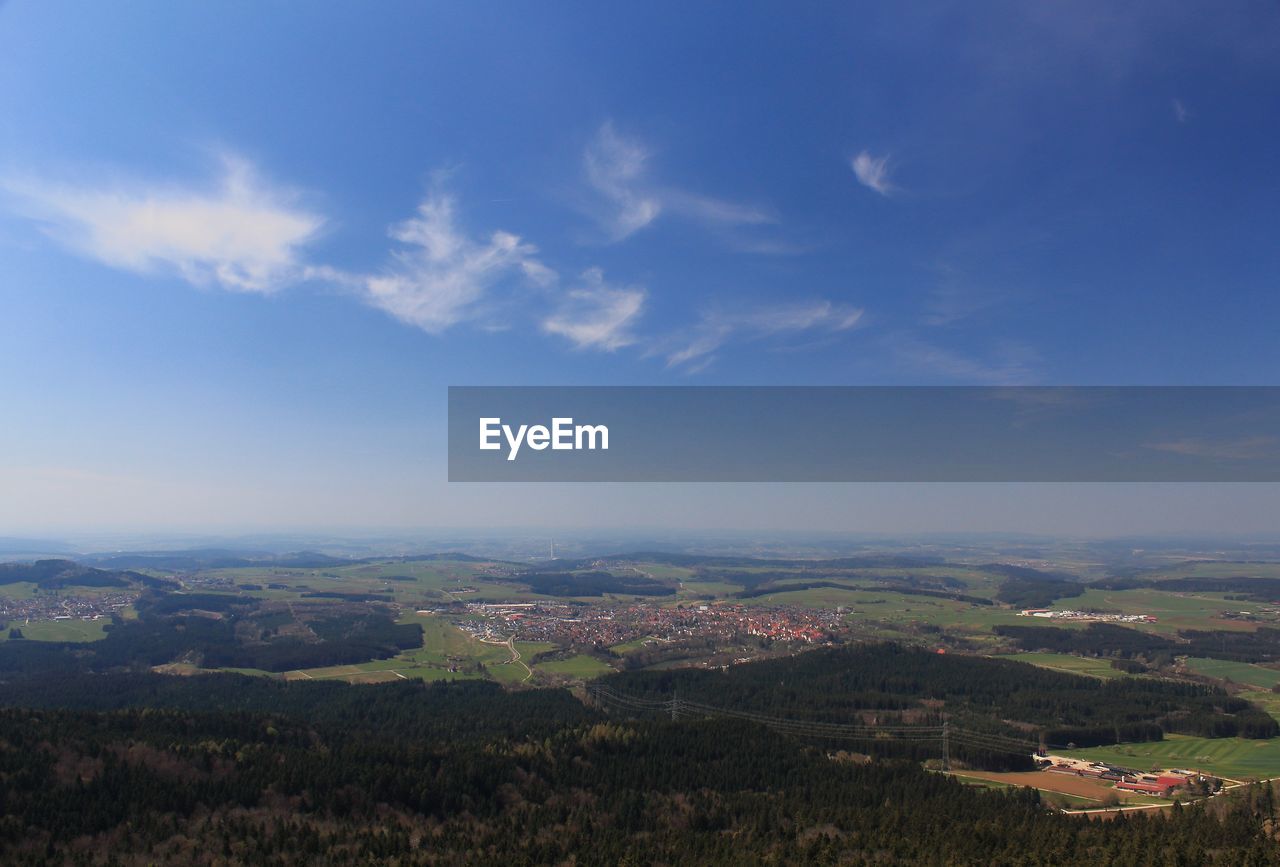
(864, 434)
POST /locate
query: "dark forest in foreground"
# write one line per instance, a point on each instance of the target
(137, 768)
(175, 787)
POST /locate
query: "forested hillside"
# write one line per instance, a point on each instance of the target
(219, 630)
(60, 574)
(466, 774)
(1106, 639)
(892, 684)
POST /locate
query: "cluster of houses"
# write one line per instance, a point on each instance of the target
(54, 607)
(1163, 783)
(1089, 616)
(569, 624)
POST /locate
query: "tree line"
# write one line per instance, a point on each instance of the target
(407, 774)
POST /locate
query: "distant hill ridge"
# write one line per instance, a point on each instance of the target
(217, 558)
(869, 561)
(58, 574)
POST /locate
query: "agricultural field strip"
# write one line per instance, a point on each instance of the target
(1231, 759)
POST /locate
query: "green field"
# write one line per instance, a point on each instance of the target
(508, 672)
(1219, 569)
(18, 590)
(980, 783)
(1243, 673)
(529, 649)
(663, 572)
(633, 645)
(1265, 699)
(888, 614)
(702, 589)
(408, 583)
(380, 671)
(1234, 758)
(1070, 664)
(58, 630)
(444, 646)
(581, 666)
(1173, 611)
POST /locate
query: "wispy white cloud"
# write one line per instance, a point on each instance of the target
(1180, 111)
(955, 300)
(243, 234)
(1010, 364)
(696, 347)
(596, 315)
(743, 243)
(440, 276)
(705, 209)
(617, 169)
(1039, 405)
(1237, 449)
(873, 172)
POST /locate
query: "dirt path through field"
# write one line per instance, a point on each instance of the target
(1048, 781)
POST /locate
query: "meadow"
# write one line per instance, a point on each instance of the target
(1231, 758)
(579, 667)
(1070, 664)
(1243, 673)
(1173, 611)
(58, 630)
(447, 647)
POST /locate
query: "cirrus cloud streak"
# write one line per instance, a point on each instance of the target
(695, 349)
(240, 234)
(439, 276)
(596, 315)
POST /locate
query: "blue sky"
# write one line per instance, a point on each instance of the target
(244, 248)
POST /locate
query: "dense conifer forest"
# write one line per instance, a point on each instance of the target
(896, 684)
(1106, 639)
(140, 768)
(466, 774)
(218, 630)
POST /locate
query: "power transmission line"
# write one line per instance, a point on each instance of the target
(944, 733)
(946, 749)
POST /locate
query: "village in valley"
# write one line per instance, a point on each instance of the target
(558, 622)
(571, 624)
(56, 607)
